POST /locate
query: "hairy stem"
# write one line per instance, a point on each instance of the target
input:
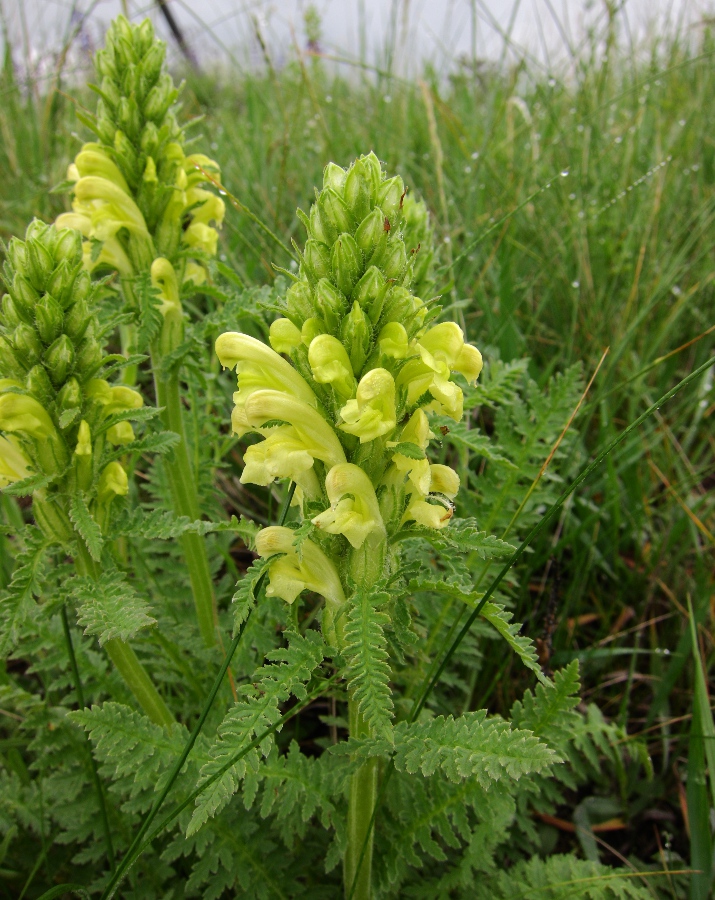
(126, 661)
(361, 803)
(186, 503)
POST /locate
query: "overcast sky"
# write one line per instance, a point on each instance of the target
(439, 30)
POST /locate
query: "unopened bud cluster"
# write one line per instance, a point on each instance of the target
(137, 195)
(347, 419)
(51, 402)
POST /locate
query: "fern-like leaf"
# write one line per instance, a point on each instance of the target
(257, 708)
(109, 607)
(17, 601)
(161, 442)
(459, 435)
(150, 318)
(365, 652)
(87, 528)
(244, 599)
(565, 877)
(464, 535)
(523, 646)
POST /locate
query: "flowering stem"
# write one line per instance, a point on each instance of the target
(126, 661)
(185, 500)
(361, 803)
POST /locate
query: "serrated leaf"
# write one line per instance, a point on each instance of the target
(87, 528)
(459, 435)
(150, 319)
(498, 384)
(109, 607)
(69, 416)
(160, 442)
(17, 600)
(365, 652)
(500, 619)
(245, 597)
(143, 414)
(257, 708)
(443, 586)
(26, 486)
(464, 535)
(117, 361)
(411, 451)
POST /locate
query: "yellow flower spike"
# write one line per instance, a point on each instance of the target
(330, 364)
(109, 207)
(14, 465)
(393, 341)
(372, 412)
(354, 511)
(284, 337)
(93, 160)
(113, 482)
(444, 480)
(281, 455)
(291, 574)
(259, 368)
(312, 430)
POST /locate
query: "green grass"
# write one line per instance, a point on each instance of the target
(572, 216)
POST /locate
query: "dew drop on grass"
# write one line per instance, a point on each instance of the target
(475, 155)
(572, 196)
(467, 169)
(576, 284)
(564, 173)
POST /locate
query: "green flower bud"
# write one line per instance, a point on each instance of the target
(17, 253)
(371, 231)
(60, 359)
(68, 248)
(389, 197)
(104, 65)
(129, 118)
(70, 396)
(61, 281)
(315, 227)
(160, 98)
(399, 306)
(106, 129)
(334, 177)
(316, 257)
(370, 290)
(150, 66)
(10, 363)
(394, 260)
(126, 153)
(130, 80)
(299, 303)
(346, 262)
(334, 214)
(28, 346)
(331, 303)
(48, 318)
(39, 385)
(77, 320)
(358, 190)
(373, 170)
(311, 329)
(36, 231)
(25, 296)
(89, 357)
(284, 336)
(110, 91)
(356, 334)
(11, 315)
(150, 139)
(39, 264)
(52, 520)
(82, 287)
(144, 37)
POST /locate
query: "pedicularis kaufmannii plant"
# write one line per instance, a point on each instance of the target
(140, 203)
(350, 601)
(348, 423)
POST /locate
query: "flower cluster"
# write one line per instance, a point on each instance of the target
(136, 194)
(347, 418)
(56, 415)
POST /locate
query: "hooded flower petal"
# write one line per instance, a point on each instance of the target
(14, 465)
(372, 412)
(354, 511)
(330, 364)
(293, 573)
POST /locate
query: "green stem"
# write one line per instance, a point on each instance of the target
(361, 804)
(92, 762)
(126, 660)
(186, 503)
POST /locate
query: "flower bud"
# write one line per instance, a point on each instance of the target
(316, 257)
(130, 80)
(11, 316)
(389, 197)
(311, 329)
(144, 40)
(334, 177)
(160, 98)
(394, 259)
(372, 412)
(52, 520)
(28, 346)
(316, 229)
(150, 66)
(330, 365)
(77, 320)
(25, 296)
(70, 395)
(104, 65)
(370, 231)
(370, 291)
(393, 341)
(60, 359)
(48, 318)
(24, 415)
(334, 214)
(105, 127)
(299, 303)
(82, 287)
(150, 139)
(39, 385)
(346, 262)
(82, 457)
(39, 264)
(127, 156)
(283, 336)
(357, 192)
(330, 302)
(10, 363)
(399, 306)
(89, 357)
(36, 231)
(13, 462)
(61, 281)
(356, 334)
(17, 253)
(68, 247)
(129, 118)
(110, 92)
(120, 433)
(113, 482)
